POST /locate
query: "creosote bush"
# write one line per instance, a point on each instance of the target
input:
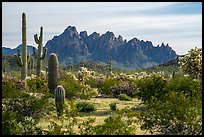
(84, 106)
(113, 106)
(124, 97)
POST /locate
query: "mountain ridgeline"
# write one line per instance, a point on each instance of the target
(72, 47)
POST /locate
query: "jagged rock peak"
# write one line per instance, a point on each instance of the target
(133, 40)
(70, 29)
(120, 37)
(162, 45)
(108, 35)
(83, 34)
(95, 34)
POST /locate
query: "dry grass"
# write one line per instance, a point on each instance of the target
(102, 112)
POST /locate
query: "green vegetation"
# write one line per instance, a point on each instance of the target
(113, 106)
(124, 97)
(84, 106)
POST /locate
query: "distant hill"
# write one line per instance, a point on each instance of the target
(9, 51)
(167, 67)
(72, 47)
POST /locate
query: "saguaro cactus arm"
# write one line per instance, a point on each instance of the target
(36, 39)
(19, 60)
(44, 53)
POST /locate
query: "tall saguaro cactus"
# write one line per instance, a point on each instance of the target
(52, 72)
(59, 99)
(40, 56)
(22, 60)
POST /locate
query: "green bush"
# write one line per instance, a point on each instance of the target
(114, 125)
(105, 88)
(176, 115)
(84, 106)
(187, 86)
(124, 88)
(75, 89)
(124, 97)
(15, 124)
(153, 86)
(113, 106)
(9, 89)
(38, 85)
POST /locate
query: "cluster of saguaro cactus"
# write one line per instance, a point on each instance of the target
(52, 72)
(59, 99)
(40, 56)
(22, 60)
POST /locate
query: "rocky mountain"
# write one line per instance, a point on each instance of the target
(72, 47)
(9, 51)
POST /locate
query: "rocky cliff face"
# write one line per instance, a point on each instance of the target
(72, 47)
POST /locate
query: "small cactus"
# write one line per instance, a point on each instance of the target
(40, 46)
(52, 72)
(59, 99)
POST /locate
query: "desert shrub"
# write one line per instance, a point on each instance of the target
(151, 86)
(9, 89)
(113, 106)
(176, 115)
(15, 124)
(114, 125)
(84, 106)
(187, 86)
(124, 88)
(37, 85)
(124, 97)
(74, 88)
(105, 88)
(26, 106)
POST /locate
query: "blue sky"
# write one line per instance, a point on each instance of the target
(177, 23)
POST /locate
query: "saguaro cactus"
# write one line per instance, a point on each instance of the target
(59, 99)
(173, 74)
(52, 72)
(22, 60)
(40, 56)
(110, 65)
(31, 65)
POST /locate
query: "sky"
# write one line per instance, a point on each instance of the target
(177, 23)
